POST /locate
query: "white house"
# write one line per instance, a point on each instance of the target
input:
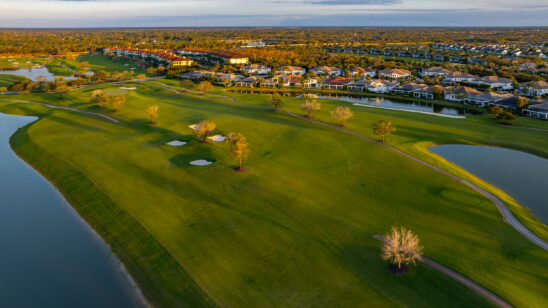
(395, 73)
(338, 83)
(291, 70)
(381, 86)
(360, 71)
(495, 82)
(539, 111)
(312, 83)
(454, 77)
(435, 71)
(534, 88)
(327, 70)
(256, 69)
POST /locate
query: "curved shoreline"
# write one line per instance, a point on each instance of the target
(133, 283)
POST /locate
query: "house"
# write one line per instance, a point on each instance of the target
(338, 83)
(455, 59)
(359, 85)
(380, 86)
(224, 56)
(486, 99)
(327, 70)
(228, 78)
(534, 88)
(292, 81)
(395, 73)
(256, 69)
(248, 82)
(312, 83)
(495, 82)
(459, 94)
(362, 72)
(291, 70)
(538, 111)
(439, 57)
(407, 89)
(435, 71)
(454, 77)
(427, 92)
(476, 60)
(269, 83)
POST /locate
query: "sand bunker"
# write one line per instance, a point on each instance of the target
(124, 88)
(217, 138)
(132, 68)
(200, 162)
(194, 126)
(176, 143)
(126, 64)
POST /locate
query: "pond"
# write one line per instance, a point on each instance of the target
(382, 103)
(522, 176)
(50, 257)
(32, 73)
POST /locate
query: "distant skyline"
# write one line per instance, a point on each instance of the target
(232, 13)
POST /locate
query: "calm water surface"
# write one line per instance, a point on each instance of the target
(523, 176)
(33, 72)
(50, 257)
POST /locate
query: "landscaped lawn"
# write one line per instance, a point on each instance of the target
(104, 63)
(297, 229)
(22, 62)
(7, 80)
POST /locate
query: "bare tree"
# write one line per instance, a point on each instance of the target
(383, 128)
(204, 86)
(401, 247)
(310, 106)
(342, 114)
(152, 113)
(204, 129)
(116, 102)
(239, 148)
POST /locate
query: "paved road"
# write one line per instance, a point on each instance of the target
(458, 277)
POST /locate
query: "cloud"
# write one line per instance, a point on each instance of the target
(356, 2)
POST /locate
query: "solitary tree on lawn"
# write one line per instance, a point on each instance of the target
(383, 128)
(99, 97)
(239, 148)
(276, 101)
(342, 114)
(401, 247)
(2, 89)
(310, 106)
(204, 86)
(116, 102)
(204, 129)
(152, 113)
(61, 88)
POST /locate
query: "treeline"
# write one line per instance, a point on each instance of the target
(57, 41)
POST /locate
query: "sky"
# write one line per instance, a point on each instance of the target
(244, 13)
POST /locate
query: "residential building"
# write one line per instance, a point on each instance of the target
(292, 81)
(248, 82)
(459, 94)
(381, 86)
(486, 99)
(256, 69)
(291, 70)
(327, 70)
(357, 85)
(362, 72)
(338, 83)
(407, 89)
(312, 83)
(495, 82)
(454, 77)
(269, 83)
(538, 111)
(225, 56)
(435, 71)
(395, 73)
(534, 88)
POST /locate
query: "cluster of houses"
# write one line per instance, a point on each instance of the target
(501, 50)
(166, 58)
(215, 54)
(396, 81)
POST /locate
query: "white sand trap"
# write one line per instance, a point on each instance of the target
(10, 60)
(132, 68)
(194, 126)
(28, 62)
(176, 143)
(126, 64)
(124, 88)
(217, 138)
(16, 63)
(200, 162)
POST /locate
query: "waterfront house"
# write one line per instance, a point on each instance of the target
(538, 111)
(495, 82)
(454, 77)
(338, 83)
(248, 82)
(292, 81)
(380, 86)
(395, 73)
(312, 83)
(327, 70)
(362, 72)
(357, 85)
(291, 70)
(459, 94)
(256, 69)
(407, 89)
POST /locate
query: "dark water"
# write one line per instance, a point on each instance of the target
(49, 256)
(33, 72)
(523, 176)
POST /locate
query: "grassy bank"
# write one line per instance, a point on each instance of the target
(296, 230)
(7, 80)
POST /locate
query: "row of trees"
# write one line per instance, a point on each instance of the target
(101, 99)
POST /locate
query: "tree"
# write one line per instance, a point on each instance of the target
(2, 89)
(141, 76)
(239, 148)
(310, 106)
(187, 84)
(100, 75)
(522, 103)
(99, 97)
(401, 247)
(116, 102)
(61, 88)
(496, 111)
(342, 114)
(383, 128)
(507, 117)
(204, 86)
(204, 129)
(152, 113)
(276, 101)
(438, 93)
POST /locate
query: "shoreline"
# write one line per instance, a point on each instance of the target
(118, 263)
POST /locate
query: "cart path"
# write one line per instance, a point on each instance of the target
(458, 277)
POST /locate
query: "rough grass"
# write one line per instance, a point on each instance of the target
(295, 230)
(7, 80)
(103, 63)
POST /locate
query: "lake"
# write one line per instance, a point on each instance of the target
(521, 175)
(50, 257)
(32, 73)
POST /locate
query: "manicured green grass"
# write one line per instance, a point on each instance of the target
(7, 80)
(295, 230)
(104, 63)
(22, 62)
